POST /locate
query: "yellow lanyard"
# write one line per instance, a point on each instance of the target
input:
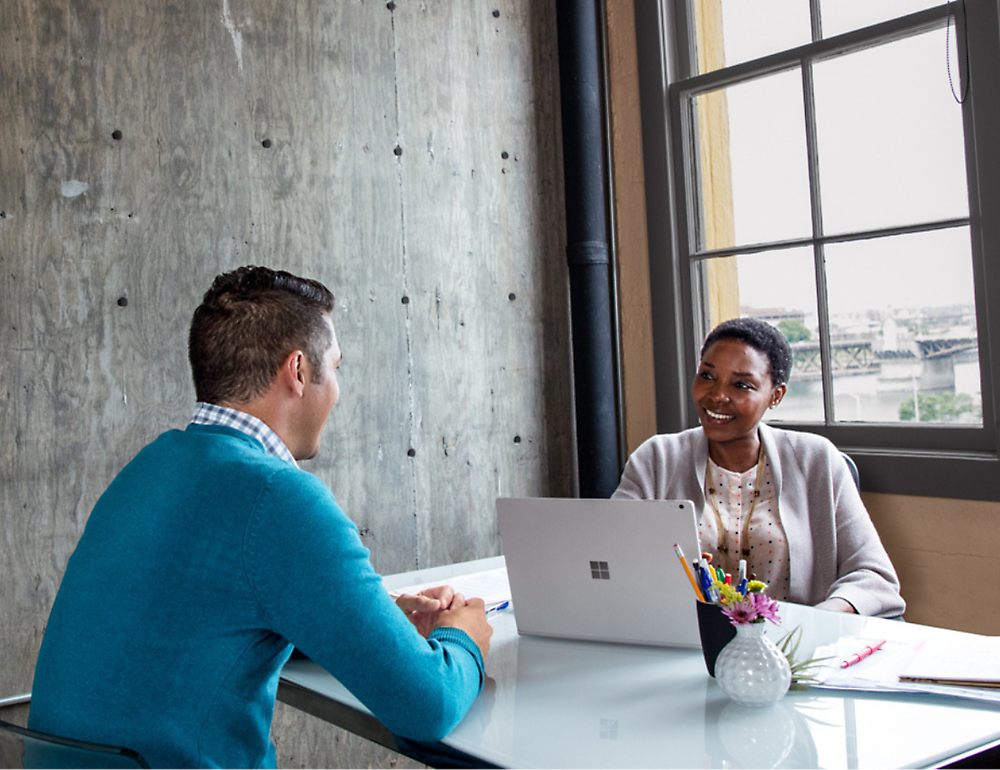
(723, 547)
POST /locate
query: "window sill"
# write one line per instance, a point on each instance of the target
(953, 475)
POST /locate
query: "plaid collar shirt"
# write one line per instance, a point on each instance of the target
(212, 414)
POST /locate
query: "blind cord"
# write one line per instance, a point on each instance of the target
(947, 54)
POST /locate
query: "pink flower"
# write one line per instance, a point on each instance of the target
(766, 608)
(741, 612)
(754, 608)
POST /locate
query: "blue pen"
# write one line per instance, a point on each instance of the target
(706, 581)
(497, 608)
(696, 567)
(742, 588)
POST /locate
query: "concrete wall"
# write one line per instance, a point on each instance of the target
(407, 154)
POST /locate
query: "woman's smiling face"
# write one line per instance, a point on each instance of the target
(733, 389)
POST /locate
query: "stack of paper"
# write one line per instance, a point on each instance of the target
(876, 672)
(490, 586)
(971, 661)
(958, 665)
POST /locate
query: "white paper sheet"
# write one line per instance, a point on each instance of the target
(490, 586)
(880, 671)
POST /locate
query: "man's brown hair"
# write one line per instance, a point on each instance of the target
(248, 322)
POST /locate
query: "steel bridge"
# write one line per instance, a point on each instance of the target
(855, 356)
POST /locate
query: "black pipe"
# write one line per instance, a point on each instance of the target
(587, 247)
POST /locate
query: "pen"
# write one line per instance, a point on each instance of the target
(501, 606)
(706, 582)
(687, 570)
(859, 656)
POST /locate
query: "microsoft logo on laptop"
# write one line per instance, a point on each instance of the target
(599, 570)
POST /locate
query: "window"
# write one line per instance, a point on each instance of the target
(826, 177)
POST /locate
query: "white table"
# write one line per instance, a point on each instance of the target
(555, 703)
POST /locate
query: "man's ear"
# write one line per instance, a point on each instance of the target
(293, 374)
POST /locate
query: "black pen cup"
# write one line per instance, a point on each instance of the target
(716, 632)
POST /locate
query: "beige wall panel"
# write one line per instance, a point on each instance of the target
(638, 381)
(106, 245)
(944, 552)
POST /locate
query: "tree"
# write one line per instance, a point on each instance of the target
(794, 331)
(939, 407)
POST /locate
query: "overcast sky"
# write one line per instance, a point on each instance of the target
(891, 153)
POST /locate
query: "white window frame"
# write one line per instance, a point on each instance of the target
(945, 461)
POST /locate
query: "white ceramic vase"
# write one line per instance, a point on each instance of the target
(751, 670)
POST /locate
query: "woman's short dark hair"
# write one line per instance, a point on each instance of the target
(761, 336)
(248, 322)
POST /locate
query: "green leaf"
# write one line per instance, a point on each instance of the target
(789, 646)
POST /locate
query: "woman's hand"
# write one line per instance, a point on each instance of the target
(836, 604)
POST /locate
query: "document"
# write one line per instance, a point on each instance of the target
(875, 672)
(491, 586)
(893, 667)
(966, 661)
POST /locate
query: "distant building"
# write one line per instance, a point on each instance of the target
(774, 314)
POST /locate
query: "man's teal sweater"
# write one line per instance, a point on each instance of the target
(201, 565)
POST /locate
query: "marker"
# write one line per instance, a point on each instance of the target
(501, 606)
(699, 577)
(706, 581)
(860, 656)
(687, 571)
(743, 570)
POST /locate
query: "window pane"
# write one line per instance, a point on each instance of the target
(845, 15)
(749, 29)
(780, 288)
(902, 323)
(753, 175)
(889, 134)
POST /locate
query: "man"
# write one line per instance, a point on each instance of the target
(212, 553)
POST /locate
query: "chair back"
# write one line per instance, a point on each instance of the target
(24, 748)
(853, 468)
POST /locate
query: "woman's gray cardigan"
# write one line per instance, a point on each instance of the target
(834, 549)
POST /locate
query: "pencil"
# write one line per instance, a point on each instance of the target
(687, 571)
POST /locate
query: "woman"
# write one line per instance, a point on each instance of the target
(785, 501)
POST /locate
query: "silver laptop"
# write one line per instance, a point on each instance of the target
(602, 570)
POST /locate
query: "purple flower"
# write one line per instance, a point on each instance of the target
(766, 608)
(741, 612)
(753, 608)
